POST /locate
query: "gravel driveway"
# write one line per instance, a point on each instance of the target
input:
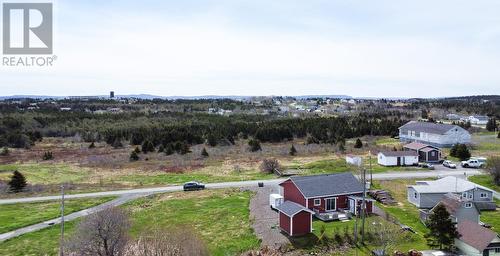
(265, 220)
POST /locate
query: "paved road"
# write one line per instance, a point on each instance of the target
(119, 201)
(128, 195)
(239, 184)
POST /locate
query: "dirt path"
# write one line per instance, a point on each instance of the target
(265, 220)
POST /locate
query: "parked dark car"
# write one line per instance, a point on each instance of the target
(193, 185)
(426, 165)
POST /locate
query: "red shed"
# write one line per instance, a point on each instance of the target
(295, 219)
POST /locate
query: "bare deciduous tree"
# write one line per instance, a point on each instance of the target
(270, 165)
(493, 165)
(180, 241)
(386, 235)
(103, 233)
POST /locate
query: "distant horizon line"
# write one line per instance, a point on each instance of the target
(216, 96)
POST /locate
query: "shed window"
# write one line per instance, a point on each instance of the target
(415, 195)
(483, 195)
(468, 205)
(317, 202)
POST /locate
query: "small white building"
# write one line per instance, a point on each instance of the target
(478, 119)
(397, 158)
(354, 160)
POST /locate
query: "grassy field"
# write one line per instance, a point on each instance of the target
(405, 212)
(407, 240)
(85, 179)
(337, 165)
(14, 216)
(45, 173)
(42, 242)
(485, 180)
(221, 217)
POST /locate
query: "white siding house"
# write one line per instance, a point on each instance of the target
(439, 135)
(397, 158)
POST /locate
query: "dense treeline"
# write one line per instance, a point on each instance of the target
(168, 129)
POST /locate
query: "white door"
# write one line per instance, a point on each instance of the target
(352, 206)
(331, 204)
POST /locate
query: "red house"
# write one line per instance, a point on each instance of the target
(328, 197)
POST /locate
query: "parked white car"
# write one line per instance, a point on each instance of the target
(472, 163)
(449, 164)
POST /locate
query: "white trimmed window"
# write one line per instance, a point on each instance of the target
(464, 195)
(317, 202)
(471, 195)
(483, 195)
(497, 250)
(468, 205)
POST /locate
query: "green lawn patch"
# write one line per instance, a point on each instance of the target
(492, 218)
(180, 178)
(14, 216)
(42, 242)
(485, 180)
(45, 173)
(221, 217)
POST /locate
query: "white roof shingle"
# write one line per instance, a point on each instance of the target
(446, 185)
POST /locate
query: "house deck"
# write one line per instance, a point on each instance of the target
(331, 216)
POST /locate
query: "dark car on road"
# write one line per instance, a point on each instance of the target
(193, 185)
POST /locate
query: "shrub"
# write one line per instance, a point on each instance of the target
(293, 151)
(270, 165)
(460, 151)
(493, 165)
(17, 182)
(358, 144)
(204, 153)
(47, 156)
(147, 146)
(254, 145)
(134, 156)
(117, 143)
(5, 151)
(92, 145)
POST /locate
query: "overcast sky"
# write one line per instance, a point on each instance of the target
(262, 47)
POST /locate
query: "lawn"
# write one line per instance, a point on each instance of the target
(42, 242)
(221, 217)
(387, 141)
(405, 212)
(485, 180)
(407, 241)
(492, 218)
(14, 216)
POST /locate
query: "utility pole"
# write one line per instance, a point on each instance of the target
(61, 243)
(371, 173)
(363, 207)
